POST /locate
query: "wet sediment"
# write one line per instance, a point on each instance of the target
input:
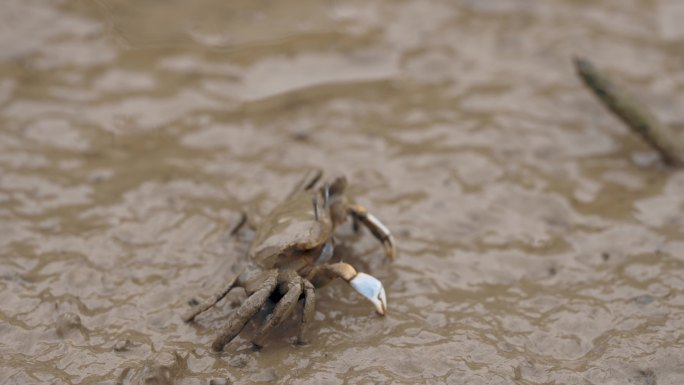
(535, 243)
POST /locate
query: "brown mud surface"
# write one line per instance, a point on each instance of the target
(539, 241)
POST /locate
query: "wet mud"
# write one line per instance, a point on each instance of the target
(539, 240)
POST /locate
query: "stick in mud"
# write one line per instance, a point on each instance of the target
(633, 113)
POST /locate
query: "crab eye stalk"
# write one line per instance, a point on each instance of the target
(371, 288)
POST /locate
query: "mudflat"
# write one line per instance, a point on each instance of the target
(539, 241)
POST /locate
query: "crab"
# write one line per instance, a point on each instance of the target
(291, 256)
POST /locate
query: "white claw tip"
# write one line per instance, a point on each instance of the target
(371, 288)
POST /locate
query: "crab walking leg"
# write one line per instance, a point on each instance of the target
(366, 285)
(197, 310)
(194, 312)
(307, 182)
(379, 230)
(238, 319)
(293, 284)
(243, 220)
(308, 310)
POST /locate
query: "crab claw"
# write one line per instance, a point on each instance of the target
(377, 228)
(371, 288)
(365, 284)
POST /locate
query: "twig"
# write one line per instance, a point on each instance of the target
(633, 113)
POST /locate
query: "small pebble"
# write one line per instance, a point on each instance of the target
(220, 381)
(268, 375)
(239, 361)
(301, 136)
(646, 377)
(643, 299)
(66, 322)
(122, 345)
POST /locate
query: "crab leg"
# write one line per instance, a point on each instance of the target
(379, 230)
(194, 312)
(238, 318)
(292, 283)
(308, 310)
(307, 182)
(366, 285)
(243, 220)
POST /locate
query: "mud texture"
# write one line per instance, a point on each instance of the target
(539, 240)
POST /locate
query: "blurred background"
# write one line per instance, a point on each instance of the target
(539, 240)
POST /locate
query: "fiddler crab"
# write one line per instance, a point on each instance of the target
(290, 257)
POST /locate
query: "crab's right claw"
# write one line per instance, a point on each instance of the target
(377, 228)
(371, 288)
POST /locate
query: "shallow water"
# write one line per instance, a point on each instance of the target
(539, 241)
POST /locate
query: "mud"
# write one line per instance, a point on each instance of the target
(539, 240)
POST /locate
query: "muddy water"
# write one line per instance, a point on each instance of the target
(539, 241)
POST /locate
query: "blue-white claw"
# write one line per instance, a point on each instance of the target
(371, 288)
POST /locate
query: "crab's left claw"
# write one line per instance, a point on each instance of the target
(371, 288)
(377, 228)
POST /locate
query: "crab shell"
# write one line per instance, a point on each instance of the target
(293, 233)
